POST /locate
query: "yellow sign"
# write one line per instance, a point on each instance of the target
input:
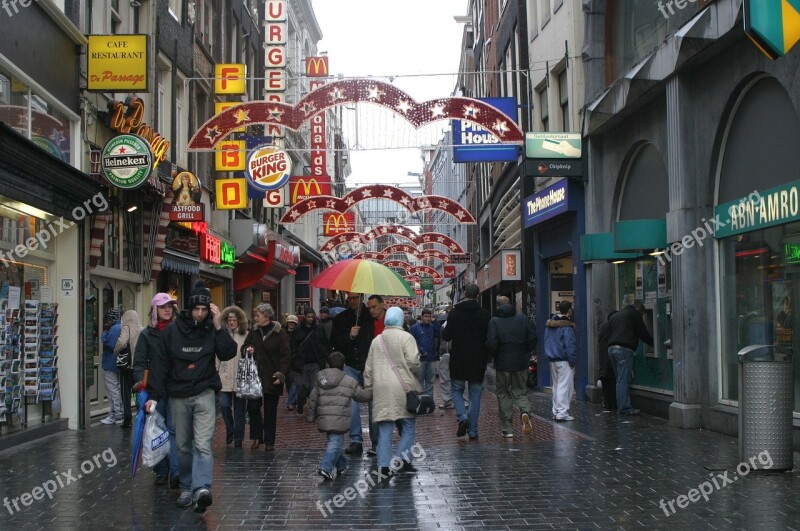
(229, 79)
(117, 63)
(230, 155)
(231, 193)
(220, 106)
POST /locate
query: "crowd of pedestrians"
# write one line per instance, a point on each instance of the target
(328, 367)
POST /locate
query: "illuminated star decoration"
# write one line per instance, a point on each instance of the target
(275, 113)
(437, 110)
(242, 116)
(470, 111)
(403, 106)
(375, 93)
(212, 133)
(501, 126)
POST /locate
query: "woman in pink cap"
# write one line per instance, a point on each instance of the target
(163, 309)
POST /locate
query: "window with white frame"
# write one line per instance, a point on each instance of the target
(176, 9)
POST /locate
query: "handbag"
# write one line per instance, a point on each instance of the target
(248, 383)
(417, 402)
(124, 357)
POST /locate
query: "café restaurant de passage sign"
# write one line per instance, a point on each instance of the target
(117, 63)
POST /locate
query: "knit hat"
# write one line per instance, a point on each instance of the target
(159, 299)
(112, 314)
(200, 296)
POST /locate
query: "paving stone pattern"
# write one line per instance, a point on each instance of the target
(598, 472)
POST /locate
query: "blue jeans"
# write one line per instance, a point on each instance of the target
(292, 399)
(475, 389)
(233, 409)
(407, 435)
(169, 465)
(334, 455)
(355, 413)
(622, 362)
(427, 373)
(194, 428)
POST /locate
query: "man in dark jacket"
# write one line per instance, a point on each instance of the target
(467, 327)
(185, 370)
(352, 335)
(511, 340)
(311, 347)
(625, 329)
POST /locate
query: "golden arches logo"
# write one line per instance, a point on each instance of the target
(336, 224)
(307, 184)
(317, 66)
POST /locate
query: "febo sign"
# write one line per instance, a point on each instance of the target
(209, 248)
(473, 143)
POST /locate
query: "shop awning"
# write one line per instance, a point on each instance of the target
(601, 247)
(180, 264)
(640, 235)
(33, 176)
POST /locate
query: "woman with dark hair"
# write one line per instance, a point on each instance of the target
(269, 346)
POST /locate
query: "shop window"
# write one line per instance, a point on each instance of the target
(563, 96)
(760, 290)
(543, 111)
(302, 288)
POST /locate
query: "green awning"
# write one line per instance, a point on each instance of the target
(640, 235)
(601, 247)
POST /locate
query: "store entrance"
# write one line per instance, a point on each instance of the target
(104, 295)
(561, 278)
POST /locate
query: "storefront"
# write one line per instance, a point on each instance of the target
(42, 236)
(553, 222)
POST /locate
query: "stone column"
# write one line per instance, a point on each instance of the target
(685, 221)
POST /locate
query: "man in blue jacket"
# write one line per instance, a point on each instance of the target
(427, 336)
(110, 370)
(560, 345)
(185, 370)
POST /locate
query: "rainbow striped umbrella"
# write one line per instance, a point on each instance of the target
(363, 276)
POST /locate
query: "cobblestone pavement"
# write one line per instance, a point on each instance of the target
(598, 472)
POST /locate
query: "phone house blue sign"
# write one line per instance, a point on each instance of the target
(473, 143)
(545, 204)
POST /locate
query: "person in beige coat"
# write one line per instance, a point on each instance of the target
(389, 394)
(233, 407)
(130, 328)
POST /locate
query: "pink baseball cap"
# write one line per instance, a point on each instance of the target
(160, 299)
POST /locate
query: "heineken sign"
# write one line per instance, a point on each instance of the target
(127, 161)
(759, 210)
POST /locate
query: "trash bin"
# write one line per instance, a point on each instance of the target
(766, 394)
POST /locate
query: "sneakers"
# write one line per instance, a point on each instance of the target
(386, 473)
(527, 427)
(408, 468)
(632, 412)
(108, 420)
(508, 435)
(355, 448)
(290, 408)
(565, 418)
(340, 471)
(185, 499)
(463, 426)
(371, 452)
(448, 405)
(473, 437)
(202, 500)
(175, 481)
(299, 410)
(325, 474)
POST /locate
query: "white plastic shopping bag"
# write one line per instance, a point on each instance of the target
(155, 445)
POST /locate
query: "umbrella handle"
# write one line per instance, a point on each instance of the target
(144, 379)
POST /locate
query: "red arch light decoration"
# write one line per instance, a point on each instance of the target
(354, 91)
(378, 191)
(426, 238)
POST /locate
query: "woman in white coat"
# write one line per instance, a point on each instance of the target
(233, 408)
(393, 356)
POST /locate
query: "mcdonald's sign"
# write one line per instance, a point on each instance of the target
(317, 66)
(305, 186)
(334, 223)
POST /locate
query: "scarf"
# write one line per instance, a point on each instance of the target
(161, 325)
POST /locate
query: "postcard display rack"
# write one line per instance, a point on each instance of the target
(28, 356)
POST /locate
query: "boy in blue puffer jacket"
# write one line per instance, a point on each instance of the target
(560, 345)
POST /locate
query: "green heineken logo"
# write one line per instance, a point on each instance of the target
(773, 25)
(127, 161)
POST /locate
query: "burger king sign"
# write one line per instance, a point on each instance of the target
(268, 168)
